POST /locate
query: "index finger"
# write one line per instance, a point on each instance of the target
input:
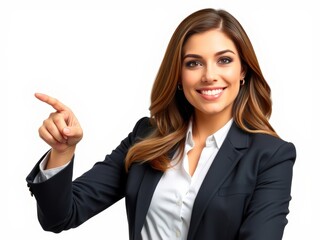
(53, 102)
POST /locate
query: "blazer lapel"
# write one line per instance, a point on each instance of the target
(225, 160)
(146, 190)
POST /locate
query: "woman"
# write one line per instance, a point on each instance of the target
(206, 164)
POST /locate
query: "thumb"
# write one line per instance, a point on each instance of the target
(75, 132)
(67, 131)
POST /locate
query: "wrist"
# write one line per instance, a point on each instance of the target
(60, 158)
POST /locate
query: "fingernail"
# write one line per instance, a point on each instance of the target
(66, 130)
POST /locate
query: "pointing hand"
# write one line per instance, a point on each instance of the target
(61, 130)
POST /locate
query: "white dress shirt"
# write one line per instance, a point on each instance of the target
(45, 174)
(170, 209)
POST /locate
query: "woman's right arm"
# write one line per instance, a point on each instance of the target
(63, 203)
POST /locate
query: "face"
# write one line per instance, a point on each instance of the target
(211, 73)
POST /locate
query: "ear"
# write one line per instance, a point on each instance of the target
(243, 71)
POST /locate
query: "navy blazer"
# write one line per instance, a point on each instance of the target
(245, 194)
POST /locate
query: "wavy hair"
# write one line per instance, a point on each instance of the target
(170, 111)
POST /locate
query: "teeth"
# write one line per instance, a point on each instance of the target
(211, 92)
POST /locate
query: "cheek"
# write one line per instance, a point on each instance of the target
(233, 78)
(233, 74)
(188, 82)
(189, 78)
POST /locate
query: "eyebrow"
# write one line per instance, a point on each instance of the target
(216, 54)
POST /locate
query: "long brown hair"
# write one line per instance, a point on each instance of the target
(170, 111)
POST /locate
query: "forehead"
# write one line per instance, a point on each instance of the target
(209, 42)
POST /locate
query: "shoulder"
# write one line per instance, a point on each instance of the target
(261, 147)
(269, 142)
(142, 127)
(271, 149)
(241, 139)
(259, 141)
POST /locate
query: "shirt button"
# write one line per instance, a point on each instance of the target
(179, 202)
(178, 233)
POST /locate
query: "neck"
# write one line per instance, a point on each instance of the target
(205, 125)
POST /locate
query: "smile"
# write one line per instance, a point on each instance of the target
(211, 92)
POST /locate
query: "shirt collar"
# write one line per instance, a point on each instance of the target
(217, 138)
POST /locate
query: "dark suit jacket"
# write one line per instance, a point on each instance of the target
(245, 194)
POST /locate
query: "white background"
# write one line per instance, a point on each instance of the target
(100, 58)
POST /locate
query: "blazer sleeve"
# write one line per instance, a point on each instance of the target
(265, 217)
(63, 204)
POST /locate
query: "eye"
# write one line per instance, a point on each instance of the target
(225, 60)
(193, 63)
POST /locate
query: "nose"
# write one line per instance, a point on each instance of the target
(209, 75)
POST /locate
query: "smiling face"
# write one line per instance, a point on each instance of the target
(211, 73)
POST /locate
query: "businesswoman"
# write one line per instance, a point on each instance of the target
(206, 163)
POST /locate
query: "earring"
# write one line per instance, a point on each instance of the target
(179, 86)
(242, 82)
